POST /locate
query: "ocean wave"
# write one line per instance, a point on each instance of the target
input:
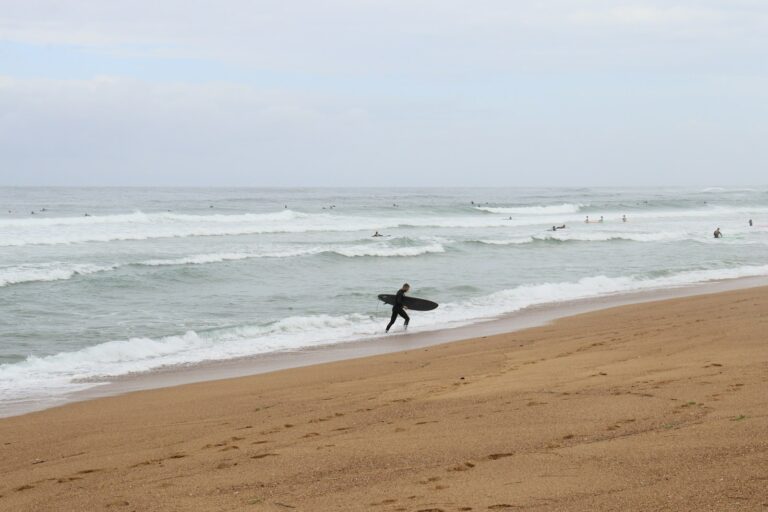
(533, 210)
(366, 250)
(145, 226)
(141, 226)
(43, 377)
(203, 259)
(39, 377)
(53, 271)
(59, 271)
(506, 241)
(592, 237)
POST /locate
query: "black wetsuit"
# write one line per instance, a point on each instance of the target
(397, 309)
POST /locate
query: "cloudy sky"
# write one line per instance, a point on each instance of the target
(373, 92)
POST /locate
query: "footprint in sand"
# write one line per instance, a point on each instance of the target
(385, 502)
(152, 461)
(68, 479)
(86, 471)
(462, 467)
(263, 455)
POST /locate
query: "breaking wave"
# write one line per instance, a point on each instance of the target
(533, 210)
(39, 377)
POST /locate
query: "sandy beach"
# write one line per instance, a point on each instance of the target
(656, 406)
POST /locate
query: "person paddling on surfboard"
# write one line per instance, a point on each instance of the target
(398, 308)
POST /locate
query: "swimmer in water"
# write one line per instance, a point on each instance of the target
(377, 234)
(718, 234)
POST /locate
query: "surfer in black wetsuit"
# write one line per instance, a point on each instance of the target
(398, 308)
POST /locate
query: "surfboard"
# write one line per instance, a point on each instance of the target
(409, 302)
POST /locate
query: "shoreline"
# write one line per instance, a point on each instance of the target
(652, 406)
(529, 317)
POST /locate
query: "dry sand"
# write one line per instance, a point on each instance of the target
(660, 406)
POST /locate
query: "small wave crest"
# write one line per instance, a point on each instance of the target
(533, 210)
(53, 271)
(59, 271)
(385, 252)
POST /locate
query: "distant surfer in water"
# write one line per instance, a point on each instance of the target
(718, 234)
(398, 308)
(377, 234)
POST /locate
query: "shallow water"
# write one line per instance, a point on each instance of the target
(154, 277)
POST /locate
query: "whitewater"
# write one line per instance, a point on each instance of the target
(100, 283)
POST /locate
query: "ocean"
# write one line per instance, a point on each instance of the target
(102, 282)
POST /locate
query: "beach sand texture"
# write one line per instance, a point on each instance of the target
(659, 406)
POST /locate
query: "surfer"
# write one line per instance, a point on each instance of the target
(750, 222)
(587, 219)
(718, 234)
(398, 308)
(623, 218)
(377, 234)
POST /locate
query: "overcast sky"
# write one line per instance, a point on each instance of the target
(374, 92)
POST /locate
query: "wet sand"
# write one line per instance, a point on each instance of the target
(655, 406)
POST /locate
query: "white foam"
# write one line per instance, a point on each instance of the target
(43, 377)
(53, 271)
(606, 236)
(508, 241)
(533, 210)
(383, 251)
(202, 259)
(56, 271)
